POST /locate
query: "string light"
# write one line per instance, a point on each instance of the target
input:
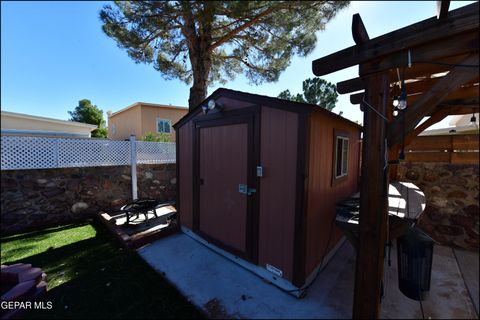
(402, 100)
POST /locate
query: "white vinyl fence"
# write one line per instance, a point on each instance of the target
(20, 152)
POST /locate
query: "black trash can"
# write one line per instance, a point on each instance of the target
(415, 253)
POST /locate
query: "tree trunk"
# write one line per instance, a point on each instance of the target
(198, 91)
(201, 65)
(200, 51)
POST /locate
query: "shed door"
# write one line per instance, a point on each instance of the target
(223, 166)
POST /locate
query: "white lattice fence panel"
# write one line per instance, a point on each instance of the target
(155, 152)
(20, 152)
(28, 153)
(92, 153)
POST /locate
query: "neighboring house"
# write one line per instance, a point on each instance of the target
(141, 118)
(27, 125)
(459, 124)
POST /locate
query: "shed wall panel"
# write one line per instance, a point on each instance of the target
(279, 130)
(186, 174)
(232, 104)
(323, 193)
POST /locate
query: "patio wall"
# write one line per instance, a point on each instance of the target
(47, 197)
(452, 193)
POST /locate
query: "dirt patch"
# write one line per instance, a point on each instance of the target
(215, 310)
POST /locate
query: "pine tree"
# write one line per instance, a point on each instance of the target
(315, 91)
(86, 112)
(204, 42)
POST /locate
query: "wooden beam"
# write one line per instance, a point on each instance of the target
(420, 85)
(463, 102)
(359, 33)
(459, 110)
(350, 85)
(460, 93)
(438, 116)
(442, 8)
(422, 70)
(425, 85)
(373, 203)
(428, 101)
(428, 52)
(459, 21)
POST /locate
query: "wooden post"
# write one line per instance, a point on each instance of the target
(373, 200)
(393, 168)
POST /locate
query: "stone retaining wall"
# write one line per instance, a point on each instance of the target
(451, 215)
(38, 198)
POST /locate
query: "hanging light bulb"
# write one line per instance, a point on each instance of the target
(402, 100)
(395, 102)
(395, 112)
(473, 121)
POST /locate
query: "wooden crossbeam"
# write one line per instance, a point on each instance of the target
(350, 85)
(460, 93)
(428, 101)
(462, 20)
(459, 110)
(415, 73)
(359, 33)
(429, 52)
(436, 117)
(442, 8)
(464, 102)
(422, 70)
(425, 85)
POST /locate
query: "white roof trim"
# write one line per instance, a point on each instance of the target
(44, 133)
(148, 105)
(446, 131)
(30, 117)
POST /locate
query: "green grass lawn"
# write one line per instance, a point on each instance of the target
(90, 275)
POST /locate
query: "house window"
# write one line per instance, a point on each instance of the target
(163, 126)
(341, 156)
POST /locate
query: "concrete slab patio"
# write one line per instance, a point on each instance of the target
(223, 289)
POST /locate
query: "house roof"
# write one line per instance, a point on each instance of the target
(145, 104)
(273, 102)
(45, 119)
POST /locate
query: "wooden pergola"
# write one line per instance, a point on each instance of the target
(434, 62)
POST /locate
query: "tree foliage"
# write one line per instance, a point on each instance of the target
(204, 42)
(86, 112)
(160, 137)
(315, 91)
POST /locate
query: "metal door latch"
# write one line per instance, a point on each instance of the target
(242, 188)
(259, 171)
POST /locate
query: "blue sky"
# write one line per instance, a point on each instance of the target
(54, 54)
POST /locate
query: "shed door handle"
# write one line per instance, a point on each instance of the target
(242, 188)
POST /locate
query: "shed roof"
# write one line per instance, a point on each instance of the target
(263, 100)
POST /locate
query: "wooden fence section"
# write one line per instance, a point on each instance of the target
(457, 149)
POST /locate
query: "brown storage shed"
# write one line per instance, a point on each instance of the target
(259, 178)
